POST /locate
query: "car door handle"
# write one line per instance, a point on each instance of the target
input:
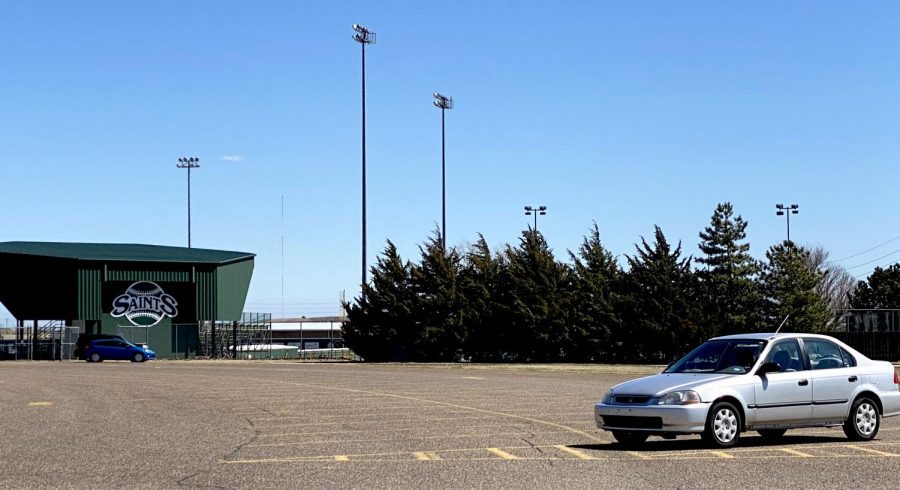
(852, 379)
(803, 382)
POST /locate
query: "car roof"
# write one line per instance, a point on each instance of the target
(770, 336)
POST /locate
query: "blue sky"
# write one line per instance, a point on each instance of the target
(629, 114)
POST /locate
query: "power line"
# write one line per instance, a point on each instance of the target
(875, 260)
(867, 250)
(864, 275)
(878, 267)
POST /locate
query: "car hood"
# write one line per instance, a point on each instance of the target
(660, 384)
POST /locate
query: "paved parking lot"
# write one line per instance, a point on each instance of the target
(242, 424)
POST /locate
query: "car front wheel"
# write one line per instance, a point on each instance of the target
(723, 426)
(95, 357)
(138, 357)
(864, 420)
(630, 438)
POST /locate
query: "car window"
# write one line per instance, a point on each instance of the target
(824, 354)
(849, 360)
(786, 354)
(720, 356)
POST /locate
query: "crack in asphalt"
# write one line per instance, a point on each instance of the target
(539, 449)
(256, 433)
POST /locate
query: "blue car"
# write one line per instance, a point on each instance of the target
(116, 350)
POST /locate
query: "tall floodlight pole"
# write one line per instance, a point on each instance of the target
(189, 163)
(363, 36)
(787, 211)
(536, 210)
(443, 102)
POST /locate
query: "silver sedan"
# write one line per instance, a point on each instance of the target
(767, 383)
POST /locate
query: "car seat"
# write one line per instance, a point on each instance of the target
(783, 359)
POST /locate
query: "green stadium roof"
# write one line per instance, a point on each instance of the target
(125, 252)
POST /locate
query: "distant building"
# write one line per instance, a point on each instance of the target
(309, 333)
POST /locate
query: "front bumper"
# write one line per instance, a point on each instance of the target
(682, 419)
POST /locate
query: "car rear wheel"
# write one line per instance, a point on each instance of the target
(95, 358)
(630, 438)
(723, 426)
(864, 420)
(771, 433)
(138, 357)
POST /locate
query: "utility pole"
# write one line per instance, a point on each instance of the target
(443, 102)
(536, 210)
(787, 211)
(189, 163)
(363, 36)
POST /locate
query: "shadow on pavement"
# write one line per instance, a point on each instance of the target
(748, 441)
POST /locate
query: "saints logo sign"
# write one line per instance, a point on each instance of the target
(144, 304)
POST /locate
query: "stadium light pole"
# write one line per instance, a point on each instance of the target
(363, 36)
(536, 210)
(189, 163)
(787, 211)
(443, 102)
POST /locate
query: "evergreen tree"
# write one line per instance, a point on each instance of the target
(792, 287)
(439, 302)
(880, 290)
(382, 326)
(731, 295)
(662, 312)
(537, 290)
(481, 311)
(597, 298)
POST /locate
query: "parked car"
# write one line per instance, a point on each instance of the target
(84, 338)
(99, 350)
(767, 383)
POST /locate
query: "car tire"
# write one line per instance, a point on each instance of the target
(95, 358)
(771, 433)
(629, 438)
(864, 420)
(138, 357)
(723, 426)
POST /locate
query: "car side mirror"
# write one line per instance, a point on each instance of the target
(768, 367)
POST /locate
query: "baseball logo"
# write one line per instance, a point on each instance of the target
(144, 304)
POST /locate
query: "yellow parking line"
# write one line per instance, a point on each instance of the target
(341, 458)
(722, 454)
(574, 452)
(638, 455)
(873, 451)
(796, 453)
(503, 454)
(39, 404)
(433, 456)
(421, 456)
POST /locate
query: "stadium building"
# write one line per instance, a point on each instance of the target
(182, 302)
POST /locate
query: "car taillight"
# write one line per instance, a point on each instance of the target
(896, 378)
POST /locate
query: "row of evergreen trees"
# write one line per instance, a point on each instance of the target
(522, 305)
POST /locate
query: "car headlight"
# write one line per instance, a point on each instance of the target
(607, 398)
(680, 398)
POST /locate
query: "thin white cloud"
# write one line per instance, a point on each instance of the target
(233, 158)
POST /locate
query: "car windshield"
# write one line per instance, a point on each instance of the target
(720, 356)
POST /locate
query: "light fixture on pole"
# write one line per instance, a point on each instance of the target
(787, 211)
(536, 210)
(443, 102)
(363, 36)
(189, 163)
